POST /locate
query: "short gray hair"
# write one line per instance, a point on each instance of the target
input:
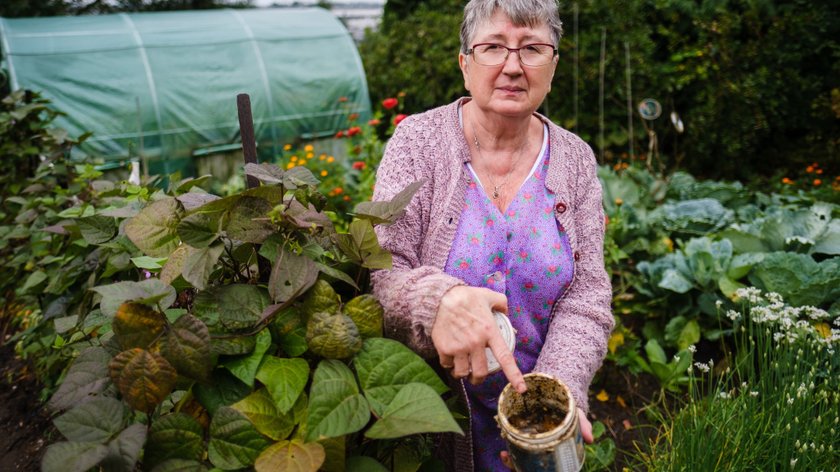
(531, 13)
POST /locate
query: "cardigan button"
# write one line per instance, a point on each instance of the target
(560, 207)
(577, 256)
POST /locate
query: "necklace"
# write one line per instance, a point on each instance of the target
(496, 188)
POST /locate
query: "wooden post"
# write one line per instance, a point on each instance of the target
(246, 131)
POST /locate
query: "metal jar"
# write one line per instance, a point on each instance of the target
(541, 426)
(508, 334)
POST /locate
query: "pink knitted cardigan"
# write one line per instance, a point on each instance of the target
(431, 146)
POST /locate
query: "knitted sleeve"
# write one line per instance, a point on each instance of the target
(577, 336)
(410, 292)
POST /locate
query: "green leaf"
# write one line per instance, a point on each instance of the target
(335, 407)
(367, 314)
(285, 380)
(337, 274)
(728, 286)
(245, 368)
(333, 336)
(291, 456)
(199, 264)
(137, 325)
(362, 246)
(155, 229)
(180, 465)
(64, 456)
(97, 229)
(364, 464)
(291, 276)
(233, 346)
(248, 220)
(144, 378)
(150, 263)
(673, 280)
(149, 292)
(260, 409)
(200, 229)
(33, 281)
(291, 332)
(124, 450)
(223, 389)
(240, 305)
(174, 436)
(335, 450)
(385, 366)
(97, 420)
(689, 335)
(265, 172)
(88, 375)
(416, 408)
(187, 348)
(234, 442)
(390, 211)
(321, 298)
(299, 177)
(654, 352)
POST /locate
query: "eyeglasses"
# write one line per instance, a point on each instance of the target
(533, 55)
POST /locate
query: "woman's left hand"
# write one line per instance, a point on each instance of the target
(585, 431)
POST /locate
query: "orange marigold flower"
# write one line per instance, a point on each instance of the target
(354, 131)
(353, 117)
(309, 148)
(817, 182)
(290, 165)
(322, 157)
(323, 173)
(401, 94)
(374, 122)
(399, 118)
(787, 181)
(338, 190)
(342, 99)
(330, 159)
(389, 103)
(347, 198)
(819, 171)
(359, 165)
(287, 147)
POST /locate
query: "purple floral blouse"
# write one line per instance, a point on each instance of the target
(525, 255)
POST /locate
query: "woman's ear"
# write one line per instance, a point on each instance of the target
(462, 63)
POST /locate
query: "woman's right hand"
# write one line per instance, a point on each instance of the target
(464, 327)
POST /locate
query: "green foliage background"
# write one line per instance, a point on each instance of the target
(756, 82)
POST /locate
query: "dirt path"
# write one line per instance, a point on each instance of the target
(24, 423)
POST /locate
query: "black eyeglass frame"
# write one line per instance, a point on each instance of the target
(510, 50)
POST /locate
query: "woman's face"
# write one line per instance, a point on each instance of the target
(508, 89)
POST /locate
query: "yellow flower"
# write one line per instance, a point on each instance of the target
(322, 157)
(323, 173)
(287, 147)
(616, 341)
(330, 159)
(308, 148)
(290, 165)
(603, 396)
(823, 329)
(619, 201)
(310, 155)
(293, 159)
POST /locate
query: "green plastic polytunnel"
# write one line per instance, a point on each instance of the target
(164, 85)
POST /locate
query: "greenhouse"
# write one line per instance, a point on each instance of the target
(163, 86)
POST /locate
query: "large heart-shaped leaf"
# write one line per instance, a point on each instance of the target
(291, 456)
(385, 366)
(124, 450)
(234, 442)
(180, 465)
(223, 389)
(137, 325)
(335, 450)
(88, 375)
(95, 421)
(390, 211)
(416, 408)
(290, 329)
(150, 291)
(260, 409)
(174, 265)
(366, 313)
(335, 405)
(291, 276)
(155, 229)
(97, 229)
(333, 336)
(199, 264)
(265, 172)
(200, 229)
(245, 368)
(240, 305)
(362, 246)
(174, 436)
(321, 298)
(144, 378)
(64, 456)
(187, 348)
(285, 380)
(248, 220)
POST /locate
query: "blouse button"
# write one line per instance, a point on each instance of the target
(497, 275)
(577, 256)
(560, 207)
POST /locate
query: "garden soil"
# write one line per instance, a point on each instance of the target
(25, 424)
(27, 429)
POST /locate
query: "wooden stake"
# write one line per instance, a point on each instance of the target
(246, 131)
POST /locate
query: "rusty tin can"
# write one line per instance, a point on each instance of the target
(508, 334)
(541, 426)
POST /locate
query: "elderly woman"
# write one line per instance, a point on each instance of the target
(509, 219)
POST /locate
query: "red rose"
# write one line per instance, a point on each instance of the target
(399, 118)
(340, 134)
(359, 165)
(389, 103)
(354, 131)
